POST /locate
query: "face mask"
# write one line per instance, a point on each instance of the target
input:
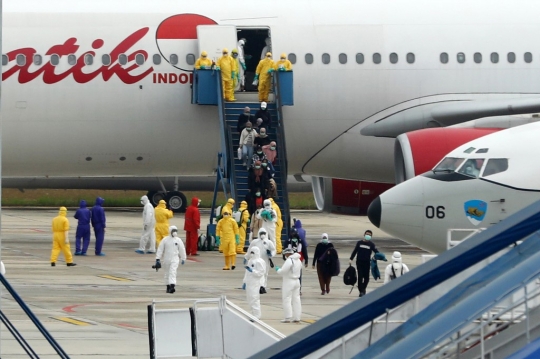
(175, 234)
(249, 128)
(257, 167)
(295, 240)
(263, 235)
(263, 135)
(325, 240)
(273, 148)
(226, 215)
(258, 194)
(259, 152)
(264, 165)
(367, 237)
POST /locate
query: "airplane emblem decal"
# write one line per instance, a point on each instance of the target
(475, 211)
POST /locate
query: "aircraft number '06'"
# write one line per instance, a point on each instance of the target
(432, 212)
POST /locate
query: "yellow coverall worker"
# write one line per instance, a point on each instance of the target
(162, 221)
(60, 229)
(236, 78)
(263, 74)
(228, 207)
(203, 62)
(283, 64)
(227, 65)
(279, 226)
(244, 219)
(228, 234)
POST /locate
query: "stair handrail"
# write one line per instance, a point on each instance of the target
(232, 173)
(222, 125)
(282, 153)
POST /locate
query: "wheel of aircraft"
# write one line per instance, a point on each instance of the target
(155, 197)
(176, 201)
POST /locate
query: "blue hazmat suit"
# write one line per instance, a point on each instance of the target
(82, 236)
(99, 224)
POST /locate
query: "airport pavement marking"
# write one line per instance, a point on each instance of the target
(120, 279)
(309, 321)
(72, 321)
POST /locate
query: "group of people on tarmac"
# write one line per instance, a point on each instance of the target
(233, 69)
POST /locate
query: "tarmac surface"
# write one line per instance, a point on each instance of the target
(99, 307)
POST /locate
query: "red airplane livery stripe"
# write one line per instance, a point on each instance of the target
(182, 27)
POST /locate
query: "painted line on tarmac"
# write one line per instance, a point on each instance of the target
(72, 321)
(309, 321)
(120, 279)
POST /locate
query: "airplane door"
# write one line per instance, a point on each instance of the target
(213, 38)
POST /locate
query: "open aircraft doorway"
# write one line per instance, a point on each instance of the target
(255, 43)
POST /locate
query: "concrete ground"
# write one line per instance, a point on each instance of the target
(99, 307)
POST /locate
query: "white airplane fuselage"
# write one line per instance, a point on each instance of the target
(55, 118)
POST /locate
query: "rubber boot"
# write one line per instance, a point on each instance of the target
(172, 289)
(226, 263)
(168, 288)
(233, 261)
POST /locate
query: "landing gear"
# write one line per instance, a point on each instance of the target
(155, 197)
(176, 201)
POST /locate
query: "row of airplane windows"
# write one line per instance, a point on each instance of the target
(140, 59)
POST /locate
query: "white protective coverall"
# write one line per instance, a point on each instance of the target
(241, 61)
(399, 268)
(170, 248)
(264, 245)
(269, 219)
(148, 237)
(291, 271)
(253, 280)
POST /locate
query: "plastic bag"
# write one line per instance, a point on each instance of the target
(239, 153)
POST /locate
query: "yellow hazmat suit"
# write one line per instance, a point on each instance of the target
(279, 226)
(264, 74)
(60, 228)
(203, 62)
(227, 66)
(228, 207)
(283, 64)
(162, 221)
(244, 219)
(236, 68)
(228, 234)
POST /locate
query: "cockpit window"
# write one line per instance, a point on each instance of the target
(449, 164)
(482, 150)
(469, 150)
(495, 165)
(472, 167)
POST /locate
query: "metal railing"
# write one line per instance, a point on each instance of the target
(225, 151)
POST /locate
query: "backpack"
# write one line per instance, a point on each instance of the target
(218, 214)
(349, 277)
(330, 262)
(237, 215)
(393, 275)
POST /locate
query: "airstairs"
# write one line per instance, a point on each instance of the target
(232, 176)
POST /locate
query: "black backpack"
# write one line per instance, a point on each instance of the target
(349, 277)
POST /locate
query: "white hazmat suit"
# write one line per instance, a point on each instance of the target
(264, 246)
(398, 268)
(291, 271)
(148, 237)
(242, 64)
(169, 251)
(255, 271)
(269, 218)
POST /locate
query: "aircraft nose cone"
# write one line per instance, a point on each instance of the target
(374, 212)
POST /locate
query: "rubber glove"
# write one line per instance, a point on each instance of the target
(243, 65)
(269, 253)
(255, 82)
(270, 70)
(158, 264)
(276, 268)
(248, 269)
(183, 261)
(256, 76)
(233, 75)
(243, 286)
(237, 238)
(245, 261)
(218, 240)
(281, 69)
(203, 67)
(217, 68)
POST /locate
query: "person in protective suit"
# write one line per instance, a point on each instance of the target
(99, 224)
(267, 250)
(60, 229)
(269, 217)
(192, 226)
(279, 225)
(263, 77)
(283, 64)
(148, 237)
(242, 226)
(290, 292)
(255, 271)
(396, 269)
(228, 234)
(236, 79)
(227, 207)
(203, 62)
(162, 215)
(241, 65)
(82, 236)
(170, 248)
(227, 65)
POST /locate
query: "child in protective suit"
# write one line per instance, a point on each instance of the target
(228, 235)
(170, 248)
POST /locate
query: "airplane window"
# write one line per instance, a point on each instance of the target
(122, 59)
(21, 60)
(527, 57)
(156, 59)
(342, 59)
(444, 57)
(482, 150)
(461, 57)
(89, 59)
(190, 59)
(495, 165)
(55, 59)
(38, 59)
(359, 58)
(472, 167)
(72, 59)
(376, 58)
(511, 57)
(469, 150)
(292, 58)
(106, 59)
(494, 57)
(139, 59)
(325, 58)
(174, 59)
(411, 58)
(449, 164)
(309, 59)
(477, 57)
(4, 60)
(393, 58)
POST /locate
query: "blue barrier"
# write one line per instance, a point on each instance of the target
(286, 88)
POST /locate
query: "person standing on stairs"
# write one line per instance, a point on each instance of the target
(227, 233)
(242, 65)
(283, 64)
(257, 178)
(247, 141)
(244, 118)
(263, 76)
(263, 138)
(203, 62)
(227, 65)
(269, 217)
(264, 114)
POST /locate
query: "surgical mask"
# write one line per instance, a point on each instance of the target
(282, 59)
(264, 164)
(225, 215)
(367, 237)
(263, 235)
(249, 128)
(259, 152)
(325, 240)
(273, 148)
(295, 239)
(174, 233)
(258, 194)
(269, 57)
(262, 134)
(257, 167)
(234, 55)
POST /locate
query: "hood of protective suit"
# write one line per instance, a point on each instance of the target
(144, 200)
(297, 224)
(267, 204)
(295, 256)
(161, 204)
(256, 252)
(396, 257)
(62, 211)
(243, 205)
(195, 201)
(230, 201)
(99, 201)
(171, 228)
(263, 106)
(263, 231)
(82, 204)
